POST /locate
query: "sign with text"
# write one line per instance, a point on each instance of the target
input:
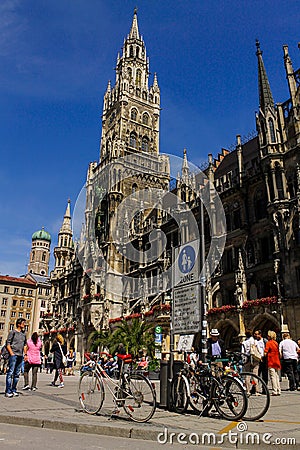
(186, 266)
(186, 309)
(185, 343)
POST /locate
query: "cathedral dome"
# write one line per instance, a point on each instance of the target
(41, 234)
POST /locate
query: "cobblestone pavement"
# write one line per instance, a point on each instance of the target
(52, 407)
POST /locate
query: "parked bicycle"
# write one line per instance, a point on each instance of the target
(256, 389)
(132, 391)
(203, 389)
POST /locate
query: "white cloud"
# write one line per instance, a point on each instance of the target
(12, 26)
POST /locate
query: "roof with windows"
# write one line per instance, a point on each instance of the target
(39, 279)
(5, 279)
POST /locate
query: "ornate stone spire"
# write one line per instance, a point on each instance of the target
(265, 94)
(134, 32)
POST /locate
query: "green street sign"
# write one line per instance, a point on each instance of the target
(158, 329)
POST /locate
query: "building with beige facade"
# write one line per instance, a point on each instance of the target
(256, 283)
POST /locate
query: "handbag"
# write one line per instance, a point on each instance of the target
(255, 353)
(64, 358)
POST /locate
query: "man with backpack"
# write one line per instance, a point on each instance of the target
(15, 344)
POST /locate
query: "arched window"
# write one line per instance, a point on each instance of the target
(272, 130)
(44, 256)
(133, 114)
(144, 95)
(33, 254)
(145, 144)
(131, 51)
(134, 188)
(145, 119)
(236, 216)
(129, 71)
(228, 217)
(263, 131)
(260, 205)
(279, 183)
(65, 242)
(132, 140)
(138, 52)
(138, 77)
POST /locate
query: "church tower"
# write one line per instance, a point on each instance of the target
(129, 149)
(65, 249)
(40, 253)
(131, 109)
(272, 140)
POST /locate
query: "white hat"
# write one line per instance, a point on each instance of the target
(284, 328)
(214, 332)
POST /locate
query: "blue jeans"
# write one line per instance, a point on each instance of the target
(12, 376)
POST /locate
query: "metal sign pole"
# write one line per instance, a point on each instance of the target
(202, 281)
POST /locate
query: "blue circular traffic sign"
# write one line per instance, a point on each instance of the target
(186, 259)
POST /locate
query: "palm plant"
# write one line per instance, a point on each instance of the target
(100, 340)
(135, 335)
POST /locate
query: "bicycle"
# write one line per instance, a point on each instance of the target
(131, 390)
(225, 393)
(256, 389)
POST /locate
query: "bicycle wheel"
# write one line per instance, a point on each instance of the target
(138, 398)
(258, 396)
(230, 398)
(179, 394)
(198, 400)
(91, 392)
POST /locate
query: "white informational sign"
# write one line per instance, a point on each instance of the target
(186, 265)
(186, 309)
(185, 343)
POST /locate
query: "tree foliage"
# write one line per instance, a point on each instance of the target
(136, 335)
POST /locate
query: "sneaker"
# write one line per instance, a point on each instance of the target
(26, 388)
(61, 385)
(15, 394)
(34, 389)
(52, 383)
(9, 395)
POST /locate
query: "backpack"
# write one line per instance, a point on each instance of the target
(4, 352)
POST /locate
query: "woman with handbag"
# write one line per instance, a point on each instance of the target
(59, 350)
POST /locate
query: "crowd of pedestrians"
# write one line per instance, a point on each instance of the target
(24, 356)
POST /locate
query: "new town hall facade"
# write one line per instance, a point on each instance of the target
(256, 283)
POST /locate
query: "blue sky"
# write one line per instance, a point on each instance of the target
(56, 59)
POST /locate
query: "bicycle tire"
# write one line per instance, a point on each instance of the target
(138, 398)
(91, 392)
(258, 405)
(179, 394)
(230, 398)
(197, 399)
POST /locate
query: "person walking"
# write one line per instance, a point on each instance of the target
(70, 362)
(59, 349)
(289, 351)
(33, 361)
(263, 367)
(215, 345)
(273, 362)
(251, 363)
(15, 344)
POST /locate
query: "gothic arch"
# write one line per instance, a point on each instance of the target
(265, 322)
(229, 332)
